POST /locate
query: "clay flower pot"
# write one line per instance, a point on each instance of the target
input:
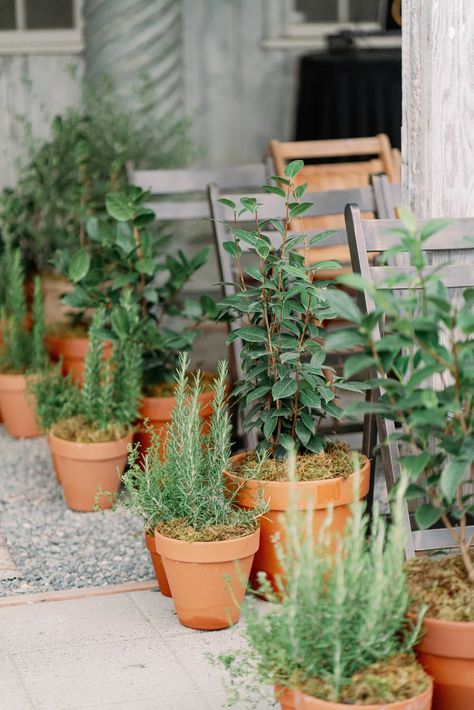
(17, 408)
(206, 584)
(160, 573)
(307, 702)
(337, 492)
(84, 469)
(53, 459)
(73, 351)
(158, 412)
(446, 652)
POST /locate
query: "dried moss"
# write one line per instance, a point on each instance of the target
(391, 680)
(334, 462)
(167, 389)
(80, 430)
(441, 584)
(179, 529)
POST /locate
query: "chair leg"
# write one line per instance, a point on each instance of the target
(369, 441)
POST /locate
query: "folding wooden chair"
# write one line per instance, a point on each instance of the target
(372, 236)
(374, 198)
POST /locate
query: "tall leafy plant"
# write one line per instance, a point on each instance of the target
(285, 392)
(409, 338)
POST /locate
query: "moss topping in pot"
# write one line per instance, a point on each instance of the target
(334, 462)
(82, 431)
(441, 584)
(179, 529)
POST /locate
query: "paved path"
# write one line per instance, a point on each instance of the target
(123, 651)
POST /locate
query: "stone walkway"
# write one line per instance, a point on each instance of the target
(124, 651)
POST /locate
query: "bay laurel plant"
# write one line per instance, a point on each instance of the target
(105, 407)
(338, 629)
(23, 349)
(410, 337)
(284, 393)
(121, 252)
(183, 493)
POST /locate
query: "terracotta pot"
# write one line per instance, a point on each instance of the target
(286, 697)
(17, 408)
(307, 702)
(337, 492)
(53, 459)
(160, 573)
(158, 412)
(73, 351)
(206, 584)
(84, 469)
(446, 652)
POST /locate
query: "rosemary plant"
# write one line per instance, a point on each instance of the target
(23, 349)
(284, 393)
(184, 492)
(340, 613)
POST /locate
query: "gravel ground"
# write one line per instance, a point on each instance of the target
(52, 547)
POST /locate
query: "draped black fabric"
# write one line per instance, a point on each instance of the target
(350, 94)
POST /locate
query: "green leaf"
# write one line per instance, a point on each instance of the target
(343, 339)
(119, 321)
(304, 434)
(118, 206)
(427, 515)
(415, 464)
(301, 208)
(451, 477)
(146, 266)
(357, 363)
(257, 393)
(408, 218)
(294, 168)
(252, 334)
(284, 388)
(286, 441)
(274, 189)
(232, 248)
(228, 203)
(432, 227)
(344, 306)
(79, 265)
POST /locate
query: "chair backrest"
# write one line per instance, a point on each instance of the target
(370, 155)
(182, 194)
(366, 237)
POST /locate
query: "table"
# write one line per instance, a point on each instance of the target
(350, 94)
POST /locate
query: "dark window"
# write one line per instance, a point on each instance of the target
(49, 14)
(7, 15)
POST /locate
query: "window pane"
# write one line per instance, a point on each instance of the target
(7, 14)
(364, 10)
(49, 14)
(317, 10)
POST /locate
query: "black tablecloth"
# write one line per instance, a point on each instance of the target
(350, 94)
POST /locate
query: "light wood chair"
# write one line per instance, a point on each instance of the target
(367, 237)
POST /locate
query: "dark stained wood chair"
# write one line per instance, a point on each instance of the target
(367, 237)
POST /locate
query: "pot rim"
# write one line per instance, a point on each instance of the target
(434, 641)
(13, 381)
(397, 705)
(217, 551)
(92, 450)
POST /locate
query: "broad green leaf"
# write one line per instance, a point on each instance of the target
(294, 168)
(79, 265)
(357, 363)
(344, 306)
(300, 209)
(451, 477)
(304, 434)
(228, 203)
(407, 217)
(284, 388)
(252, 334)
(427, 515)
(415, 464)
(118, 206)
(343, 339)
(232, 248)
(433, 226)
(146, 266)
(257, 393)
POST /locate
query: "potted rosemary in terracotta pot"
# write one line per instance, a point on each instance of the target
(206, 545)
(337, 635)
(23, 354)
(121, 253)
(424, 361)
(93, 426)
(286, 392)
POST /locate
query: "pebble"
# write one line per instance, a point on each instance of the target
(52, 547)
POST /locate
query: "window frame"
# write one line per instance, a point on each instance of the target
(45, 41)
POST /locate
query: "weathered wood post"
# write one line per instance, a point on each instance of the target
(438, 107)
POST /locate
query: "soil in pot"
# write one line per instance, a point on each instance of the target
(160, 573)
(322, 480)
(71, 345)
(207, 579)
(17, 406)
(157, 405)
(446, 649)
(88, 466)
(396, 683)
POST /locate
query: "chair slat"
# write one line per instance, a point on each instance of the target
(196, 180)
(454, 275)
(378, 235)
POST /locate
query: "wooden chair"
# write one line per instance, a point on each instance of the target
(366, 237)
(178, 195)
(375, 198)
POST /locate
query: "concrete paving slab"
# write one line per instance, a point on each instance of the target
(159, 611)
(13, 695)
(109, 618)
(176, 702)
(101, 673)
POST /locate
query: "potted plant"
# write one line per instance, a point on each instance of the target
(23, 353)
(123, 253)
(425, 337)
(286, 391)
(91, 427)
(337, 635)
(206, 544)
